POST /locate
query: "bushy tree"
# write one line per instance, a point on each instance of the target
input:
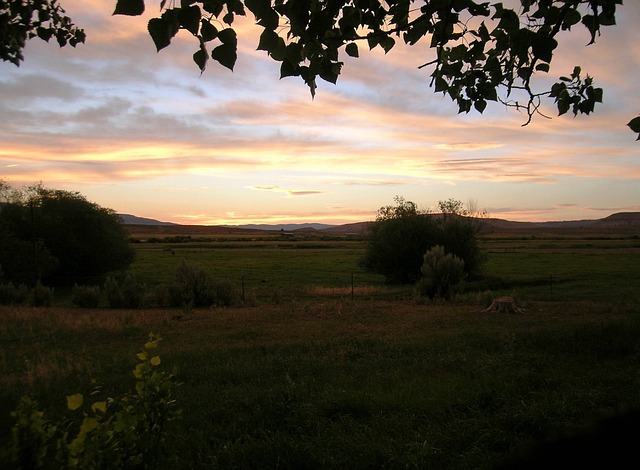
(398, 238)
(402, 234)
(459, 226)
(59, 237)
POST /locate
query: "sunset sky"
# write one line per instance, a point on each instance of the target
(145, 133)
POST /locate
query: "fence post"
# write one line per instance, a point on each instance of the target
(351, 286)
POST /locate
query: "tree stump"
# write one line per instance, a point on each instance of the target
(504, 305)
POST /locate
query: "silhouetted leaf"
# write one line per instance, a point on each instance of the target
(190, 19)
(387, 43)
(287, 69)
(572, 17)
(161, 32)
(129, 7)
(208, 32)
(352, 49)
(543, 47)
(441, 84)
(577, 70)
(45, 33)
(200, 57)
(215, 8)
(270, 20)
(563, 105)
(226, 55)
(268, 40)
(228, 36)
(480, 105)
(634, 125)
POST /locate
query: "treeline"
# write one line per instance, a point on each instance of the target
(191, 286)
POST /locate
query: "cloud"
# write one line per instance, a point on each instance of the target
(470, 146)
(288, 192)
(355, 181)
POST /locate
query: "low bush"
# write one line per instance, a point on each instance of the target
(126, 294)
(86, 296)
(41, 296)
(10, 294)
(194, 286)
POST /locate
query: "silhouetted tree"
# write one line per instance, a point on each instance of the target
(402, 234)
(59, 237)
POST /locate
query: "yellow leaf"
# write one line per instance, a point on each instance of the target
(142, 355)
(100, 406)
(155, 361)
(88, 425)
(137, 372)
(74, 401)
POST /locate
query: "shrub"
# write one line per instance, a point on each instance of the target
(112, 433)
(41, 296)
(194, 286)
(86, 296)
(12, 295)
(442, 274)
(7, 293)
(126, 294)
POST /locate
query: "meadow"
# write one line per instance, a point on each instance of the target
(328, 367)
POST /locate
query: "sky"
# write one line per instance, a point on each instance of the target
(145, 133)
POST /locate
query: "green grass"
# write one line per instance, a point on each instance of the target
(267, 270)
(551, 268)
(568, 269)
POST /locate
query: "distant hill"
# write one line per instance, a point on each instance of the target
(128, 219)
(285, 227)
(628, 222)
(357, 228)
(508, 224)
(621, 219)
(618, 220)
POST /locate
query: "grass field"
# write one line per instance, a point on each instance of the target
(543, 267)
(316, 379)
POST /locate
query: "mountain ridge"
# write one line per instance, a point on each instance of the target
(629, 220)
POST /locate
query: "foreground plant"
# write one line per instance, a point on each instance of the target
(127, 432)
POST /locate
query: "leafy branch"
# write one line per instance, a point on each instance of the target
(24, 20)
(484, 51)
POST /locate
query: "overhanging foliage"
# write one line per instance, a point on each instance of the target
(479, 51)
